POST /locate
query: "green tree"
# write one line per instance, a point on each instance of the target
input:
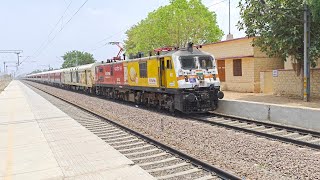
(315, 8)
(279, 23)
(176, 24)
(76, 58)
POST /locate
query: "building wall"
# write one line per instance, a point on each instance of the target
(289, 84)
(253, 62)
(264, 64)
(242, 83)
(266, 84)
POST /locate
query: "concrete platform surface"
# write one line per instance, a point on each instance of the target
(39, 141)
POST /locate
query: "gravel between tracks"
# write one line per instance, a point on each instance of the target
(245, 155)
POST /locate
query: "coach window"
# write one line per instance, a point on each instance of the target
(77, 76)
(237, 67)
(169, 65)
(143, 70)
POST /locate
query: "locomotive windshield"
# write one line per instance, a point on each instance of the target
(192, 62)
(206, 62)
(188, 62)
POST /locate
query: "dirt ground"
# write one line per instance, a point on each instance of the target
(4, 81)
(270, 98)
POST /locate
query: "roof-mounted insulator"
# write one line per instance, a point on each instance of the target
(190, 47)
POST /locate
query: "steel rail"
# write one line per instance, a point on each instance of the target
(267, 125)
(197, 162)
(289, 128)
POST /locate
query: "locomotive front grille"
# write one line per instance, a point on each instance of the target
(197, 103)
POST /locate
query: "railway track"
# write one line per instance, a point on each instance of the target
(160, 160)
(297, 136)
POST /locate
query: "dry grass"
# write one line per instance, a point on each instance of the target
(4, 81)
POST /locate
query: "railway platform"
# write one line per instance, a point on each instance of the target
(39, 141)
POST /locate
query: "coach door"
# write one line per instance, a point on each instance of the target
(85, 77)
(162, 73)
(170, 73)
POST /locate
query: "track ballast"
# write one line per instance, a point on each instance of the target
(287, 134)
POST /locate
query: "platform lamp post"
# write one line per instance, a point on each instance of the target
(306, 47)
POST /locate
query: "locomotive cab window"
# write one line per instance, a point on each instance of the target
(143, 70)
(162, 63)
(188, 62)
(206, 62)
(169, 65)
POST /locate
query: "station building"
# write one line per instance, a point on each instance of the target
(245, 68)
(240, 63)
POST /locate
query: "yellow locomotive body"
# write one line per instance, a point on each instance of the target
(146, 72)
(184, 80)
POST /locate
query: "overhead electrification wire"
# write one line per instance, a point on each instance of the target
(107, 38)
(37, 53)
(52, 30)
(48, 37)
(216, 3)
(103, 40)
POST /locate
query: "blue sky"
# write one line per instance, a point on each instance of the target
(26, 25)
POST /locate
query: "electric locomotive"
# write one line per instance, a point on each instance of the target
(184, 80)
(179, 79)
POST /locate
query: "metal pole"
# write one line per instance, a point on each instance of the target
(229, 17)
(309, 44)
(4, 67)
(306, 72)
(18, 54)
